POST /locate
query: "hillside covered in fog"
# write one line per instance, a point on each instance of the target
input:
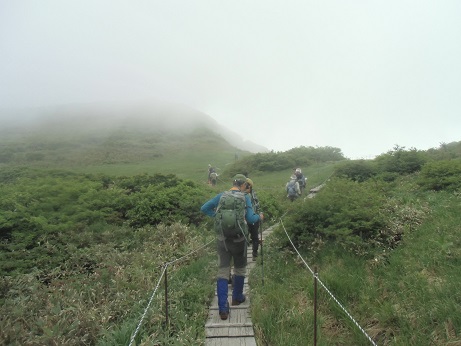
(95, 133)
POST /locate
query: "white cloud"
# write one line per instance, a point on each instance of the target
(360, 76)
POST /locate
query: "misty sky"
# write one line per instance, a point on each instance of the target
(359, 75)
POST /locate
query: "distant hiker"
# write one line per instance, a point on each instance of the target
(301, 179)
(232, 210)
(213, 178)
(211, 169)
(253, 228)
(292, 188)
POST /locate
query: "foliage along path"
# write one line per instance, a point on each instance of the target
(238, 328)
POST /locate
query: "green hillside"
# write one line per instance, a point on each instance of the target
(88, 220)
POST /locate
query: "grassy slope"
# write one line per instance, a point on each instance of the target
(404, 301)
(120, 152)
(407, 297)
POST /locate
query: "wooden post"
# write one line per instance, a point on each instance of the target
(262, 254)
(166, 295)
(315, 306)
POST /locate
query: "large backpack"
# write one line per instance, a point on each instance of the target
(255, 202)
(230, 215)
(292, 189)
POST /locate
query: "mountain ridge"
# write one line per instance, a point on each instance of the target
(147, 116)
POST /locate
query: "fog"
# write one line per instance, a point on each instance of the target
(360, 76)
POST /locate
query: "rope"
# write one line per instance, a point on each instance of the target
(189, 254)
(147, 307)
(165, 266)
(328, 291)
(294, 247)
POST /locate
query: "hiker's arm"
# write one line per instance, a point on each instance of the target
(209, 208)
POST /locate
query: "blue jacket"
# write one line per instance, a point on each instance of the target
(209, 208)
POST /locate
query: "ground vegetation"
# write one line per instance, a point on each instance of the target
(85, 235)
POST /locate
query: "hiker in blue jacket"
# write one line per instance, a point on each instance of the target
(232, 249)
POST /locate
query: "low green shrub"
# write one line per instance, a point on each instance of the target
(401, 161)
(441, 175)
(359, 170)
(345, 212)
(42, 212)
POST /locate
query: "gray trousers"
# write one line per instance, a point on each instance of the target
(235, 250)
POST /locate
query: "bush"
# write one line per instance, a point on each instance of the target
(446, 151)
(270, 206)
(43, 211)
(441, 175)
(401, 161)
(345, 212)
(359, 171)
(279, 161)
(160, 204)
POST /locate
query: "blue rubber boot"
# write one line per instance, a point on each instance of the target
(237, 294)
(223, 304)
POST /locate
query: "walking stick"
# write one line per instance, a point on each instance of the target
(262, 253)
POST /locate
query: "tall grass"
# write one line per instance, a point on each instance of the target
(98, 296)
(407, 297)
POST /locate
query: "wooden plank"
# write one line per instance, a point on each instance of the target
(236, 316)
(244, 331)
(244, 341)
(241, 306)
(237, 330)
(246, 303)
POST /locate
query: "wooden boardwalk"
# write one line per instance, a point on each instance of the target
(238, 328)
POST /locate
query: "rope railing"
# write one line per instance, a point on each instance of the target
(189, 254)
(314, 273)
(147, 307)
(163, 274)
(326, 288)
